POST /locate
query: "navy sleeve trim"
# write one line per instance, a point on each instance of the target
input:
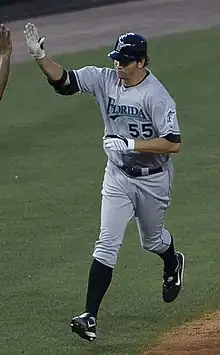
(173, 138)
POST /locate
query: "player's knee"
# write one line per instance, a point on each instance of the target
(105, 254)
(154, 245)
(106, 249)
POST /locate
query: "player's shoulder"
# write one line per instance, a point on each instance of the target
(108, 76)
(157, 91)
(101, 70)
(108, 72)
(102, 74)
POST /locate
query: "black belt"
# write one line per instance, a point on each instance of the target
(137, 172)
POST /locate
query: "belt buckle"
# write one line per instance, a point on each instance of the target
(132, 171)
(136, 172)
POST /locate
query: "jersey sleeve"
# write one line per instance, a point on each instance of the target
(88, 79)
(164, 116)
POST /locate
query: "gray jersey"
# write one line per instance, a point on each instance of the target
(144, 111)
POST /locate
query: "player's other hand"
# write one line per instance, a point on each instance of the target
(5, 41)
(34, 41)
(118, 143)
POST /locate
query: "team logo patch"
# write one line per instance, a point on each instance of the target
(121, 45)
(170, 117)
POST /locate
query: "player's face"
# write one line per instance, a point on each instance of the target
(126, 70)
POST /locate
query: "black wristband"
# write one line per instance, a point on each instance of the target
(58, 84)
(63, 88)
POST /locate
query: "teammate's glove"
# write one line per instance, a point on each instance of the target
(118, 143)
(34, 41)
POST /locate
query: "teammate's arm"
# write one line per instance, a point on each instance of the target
(63, 81)
(5, 56)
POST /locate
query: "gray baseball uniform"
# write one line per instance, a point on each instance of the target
(143, 111)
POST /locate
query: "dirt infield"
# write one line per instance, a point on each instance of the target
(197, 338)
(93, 28)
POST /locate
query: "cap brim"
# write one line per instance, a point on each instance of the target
(114, 55)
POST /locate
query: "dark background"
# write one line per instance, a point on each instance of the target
(20, 9)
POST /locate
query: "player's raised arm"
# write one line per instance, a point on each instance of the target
(5, 56)
(64, 82)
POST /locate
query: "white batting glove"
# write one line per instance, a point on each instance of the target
(34, 41)
(118, 143)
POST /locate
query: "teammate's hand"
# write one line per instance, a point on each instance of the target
(118, 143)
(5, 41)
(34, 41)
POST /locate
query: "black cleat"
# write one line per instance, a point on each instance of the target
(173, 282)
(85, 326)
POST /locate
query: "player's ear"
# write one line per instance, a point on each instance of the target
(140, 64)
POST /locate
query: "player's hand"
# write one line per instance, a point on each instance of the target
(5, 41)
(34, 41)
(118, 143)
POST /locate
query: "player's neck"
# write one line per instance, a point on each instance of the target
(137, 78)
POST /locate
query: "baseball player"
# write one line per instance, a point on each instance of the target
(5, 56)
(141, 133)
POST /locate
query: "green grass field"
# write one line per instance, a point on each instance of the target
(50, 212)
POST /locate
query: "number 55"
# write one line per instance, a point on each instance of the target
(145, 130)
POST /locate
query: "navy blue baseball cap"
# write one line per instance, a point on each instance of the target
(129, 47)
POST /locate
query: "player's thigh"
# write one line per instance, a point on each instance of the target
(150, 217)
(152, 203)
(116, 211)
